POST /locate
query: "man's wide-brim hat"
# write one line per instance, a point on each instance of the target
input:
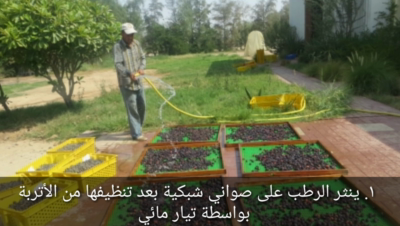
(128, 28)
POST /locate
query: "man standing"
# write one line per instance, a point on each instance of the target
(129, 59)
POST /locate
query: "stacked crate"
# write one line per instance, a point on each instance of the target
(48, 171)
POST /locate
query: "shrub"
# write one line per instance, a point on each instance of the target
(370, 75)
(387, 33)
(337, 99)
(312, 69)
(329, 71)
(336, 46)
(283, 38)
(332, 71)
(340, 45)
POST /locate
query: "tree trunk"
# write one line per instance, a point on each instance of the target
(3, 100)
(5, 107)
(60, 89)
(67, 100)
(59, 85)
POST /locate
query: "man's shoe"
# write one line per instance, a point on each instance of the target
(141, 138)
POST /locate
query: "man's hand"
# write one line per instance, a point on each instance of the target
(141, 72)
(133, 77)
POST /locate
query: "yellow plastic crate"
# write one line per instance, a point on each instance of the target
(296, 100)
(271, 58)
(25, 180)
(278, 101)
(94, 176)
(43, 212)
(58, 159)
(88, 148)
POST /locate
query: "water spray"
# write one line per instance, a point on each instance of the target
(172, 94)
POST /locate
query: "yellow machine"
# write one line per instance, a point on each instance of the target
(245, 66)
(271, 58)
(260, 56)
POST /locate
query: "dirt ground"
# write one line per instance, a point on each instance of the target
(91, 87)
(15, 155)
(11, 144)
(14, 150)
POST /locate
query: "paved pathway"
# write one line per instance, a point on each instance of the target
(312, 84)
(363, 155)
(384, 128)
(367, 144)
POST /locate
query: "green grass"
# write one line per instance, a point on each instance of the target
(334, 185)
(15, 90)
(250, 162)
(205, 85)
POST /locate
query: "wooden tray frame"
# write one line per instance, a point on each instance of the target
(219, 137)
(257, 124)
(111, 208)
(199, 173)
(377, 206)
(304, 173)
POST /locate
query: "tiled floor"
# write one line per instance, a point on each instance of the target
(384, 128)
(363, 155)
(367, 144)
